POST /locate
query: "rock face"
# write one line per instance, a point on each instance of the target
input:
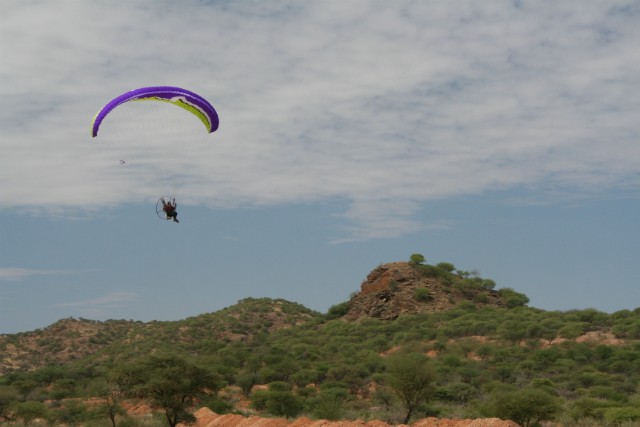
(397, 288)
(207, 418)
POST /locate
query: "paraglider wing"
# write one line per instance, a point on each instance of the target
(188, 100)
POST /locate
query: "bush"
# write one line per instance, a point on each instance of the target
(571, 331)
(417, 259)
(219, 406)
(412, 378)
(329, 405)
(446, 266)
(246, 381)
(30, 410)
(423, 295)
(456, 392)
(338, 310)
(587, 407)
(259, 399)
(430, 271)
(279, 386)
(513, 298)
(278, 400)
(481, 298)
(524, 406)
(607, 393)
(72, 413)
(488, 284)
(284, 404)
(617, 416)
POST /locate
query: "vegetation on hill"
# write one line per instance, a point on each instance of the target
(70, 340)
(472, 360)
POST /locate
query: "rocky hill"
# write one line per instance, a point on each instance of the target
(401, 287)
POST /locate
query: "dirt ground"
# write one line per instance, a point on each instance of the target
(207, 418)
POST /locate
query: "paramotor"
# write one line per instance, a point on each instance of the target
(160, 208)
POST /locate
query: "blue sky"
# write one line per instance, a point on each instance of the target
(502, 137)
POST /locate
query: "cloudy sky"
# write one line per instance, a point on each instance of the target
(500, 136)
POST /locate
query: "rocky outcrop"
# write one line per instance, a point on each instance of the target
(398, 288)
(207, 418)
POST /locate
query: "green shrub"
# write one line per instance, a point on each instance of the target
(587, 407)
(329, 405)
(524, 406)
(456, 392)
(417, 259)
(571, 331)
(219, 406)
(422, 295)
(513, 298)
(259, 399)
(607, 393)
(30, 410)
(429, 271)
(617, 416)
(338, 310)
(284, 404)
(481, 298)
(446, 266)
(279, 386)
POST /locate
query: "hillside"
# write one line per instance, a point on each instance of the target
(388, 291)
(62, 342)
(72, 340)
(271, 357)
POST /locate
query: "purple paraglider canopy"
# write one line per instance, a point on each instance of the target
(183, 98)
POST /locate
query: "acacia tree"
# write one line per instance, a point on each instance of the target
(71, 413)
(111, 394)
(416, 259)
(25, 386)
(28, 411)
(528, 406)
(168, 382)
(411, 378)
(246, 381)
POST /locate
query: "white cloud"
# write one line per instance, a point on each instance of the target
(383, 104)
(17, 274)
